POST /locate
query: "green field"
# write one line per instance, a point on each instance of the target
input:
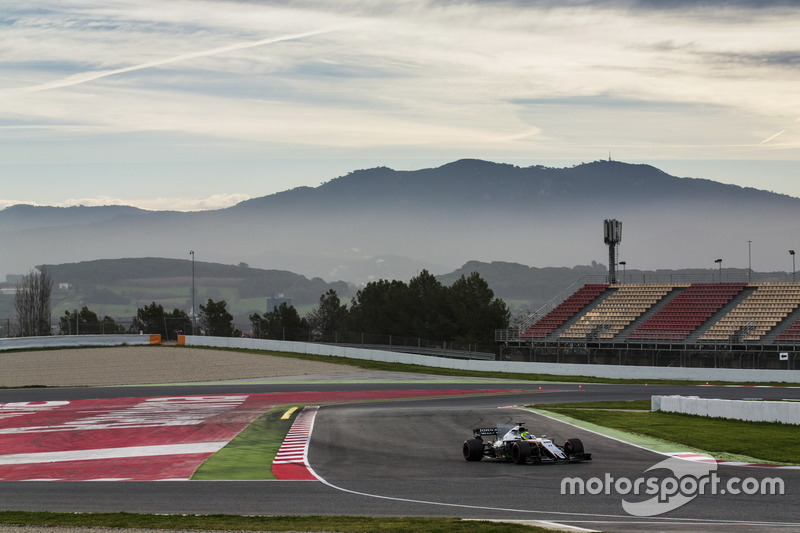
(333, 524)
(720, 438)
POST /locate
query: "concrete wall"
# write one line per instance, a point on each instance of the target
(61, 341)
(602, 371)
(754, 411)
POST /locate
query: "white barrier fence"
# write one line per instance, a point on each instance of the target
(753, 411)
(65, 341)
(556, 369)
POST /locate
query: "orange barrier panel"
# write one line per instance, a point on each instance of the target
(155, 339)
(181, 340)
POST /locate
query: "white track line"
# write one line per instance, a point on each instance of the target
(111, 453)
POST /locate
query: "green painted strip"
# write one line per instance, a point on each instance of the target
(250, 454)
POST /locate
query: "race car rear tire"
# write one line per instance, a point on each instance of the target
(573, 447)
(473, 450)
(520, 451)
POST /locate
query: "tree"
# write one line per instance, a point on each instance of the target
(476, 312)
(32, 303)
(383, 308)
(433, 319)
(258, 326)
(153, 320)
(282, 323)
(149, 319)
(86, 322)
(328, 317)
(109, 326)
(467, 311)
(215, 319)
(177, 322)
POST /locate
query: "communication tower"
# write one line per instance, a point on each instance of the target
(612, 235)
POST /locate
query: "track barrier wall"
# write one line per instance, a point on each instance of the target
(753, 411)
(556, 369)
(64, 341)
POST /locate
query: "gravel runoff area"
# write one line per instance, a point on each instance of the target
(141, 365)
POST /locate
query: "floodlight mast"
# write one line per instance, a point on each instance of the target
(612, 235)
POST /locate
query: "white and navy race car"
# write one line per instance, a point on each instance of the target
(515, 443)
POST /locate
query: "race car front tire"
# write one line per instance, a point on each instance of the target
(520, 451)
(573, 447)
(473, 450)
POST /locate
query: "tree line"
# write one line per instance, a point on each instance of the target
(32, 304)
(464, 312)
(213, 319)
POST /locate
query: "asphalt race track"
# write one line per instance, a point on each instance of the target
(403, 458)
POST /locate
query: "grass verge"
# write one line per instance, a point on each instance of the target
(765, 441)
(338, 524)
(249, 455)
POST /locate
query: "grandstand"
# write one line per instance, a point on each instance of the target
(718, 325)
(565, 310)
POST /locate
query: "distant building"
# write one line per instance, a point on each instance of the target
(276, 300)
(64, 286)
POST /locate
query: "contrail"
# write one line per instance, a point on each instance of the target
(83, 77)
(768, 139)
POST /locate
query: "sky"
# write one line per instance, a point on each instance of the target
(190, 104)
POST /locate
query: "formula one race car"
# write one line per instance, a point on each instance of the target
(515, 443)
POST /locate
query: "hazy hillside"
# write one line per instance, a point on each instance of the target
(531, 287)
(382, 223)
(24, 217)
(524, 287)
(477, 185)
(118, 287)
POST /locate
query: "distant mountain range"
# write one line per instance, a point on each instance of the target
(383, 223)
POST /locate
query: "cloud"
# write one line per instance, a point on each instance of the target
(181, 203)
(771, 137)
(303, 80)
(85, 77)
